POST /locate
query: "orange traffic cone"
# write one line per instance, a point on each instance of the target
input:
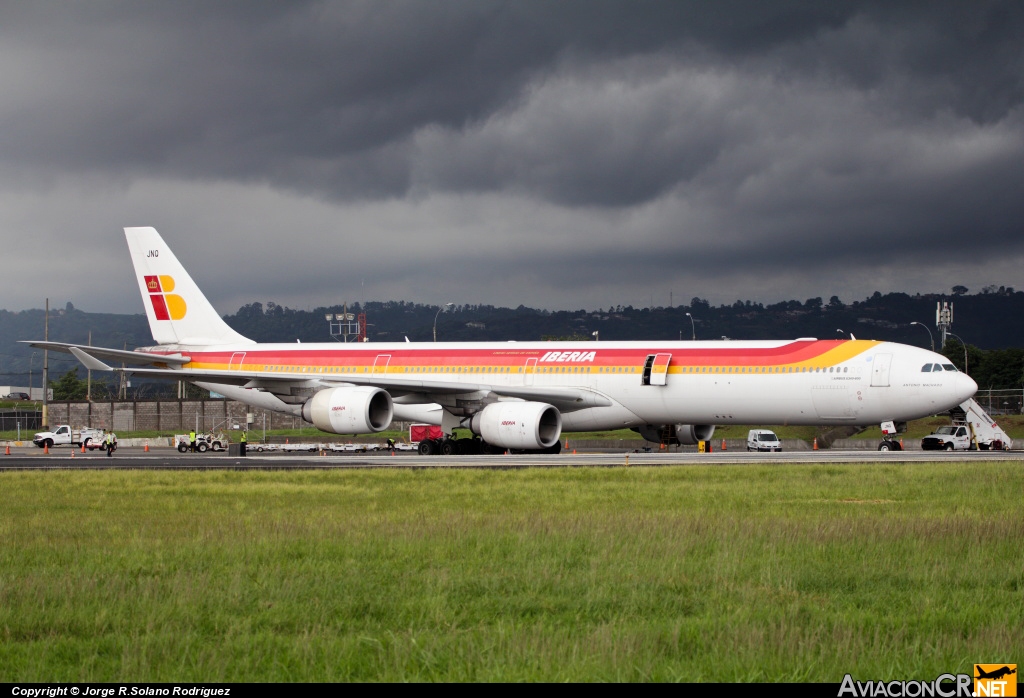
(46, 449)
(901, 444)
(815, 443)
(723, 445)
(567, 443)
(574, 452)
(146, 448)
(72, 453)
(83, 447)
(7, 451)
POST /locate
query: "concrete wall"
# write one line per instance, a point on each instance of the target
(166, 415)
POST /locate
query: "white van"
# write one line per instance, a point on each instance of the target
(763, 440)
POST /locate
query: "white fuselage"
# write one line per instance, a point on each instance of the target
(723, 382)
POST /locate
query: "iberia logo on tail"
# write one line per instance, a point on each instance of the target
(166, 305)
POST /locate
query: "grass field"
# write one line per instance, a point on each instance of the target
(797, 573)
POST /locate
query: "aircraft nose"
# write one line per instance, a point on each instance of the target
(964, 387)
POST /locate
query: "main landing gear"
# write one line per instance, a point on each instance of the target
(471, 447)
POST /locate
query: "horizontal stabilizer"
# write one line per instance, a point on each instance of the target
(120, 355)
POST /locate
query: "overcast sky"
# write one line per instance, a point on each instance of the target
(552, 154)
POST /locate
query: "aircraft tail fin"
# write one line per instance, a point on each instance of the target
(178, 311)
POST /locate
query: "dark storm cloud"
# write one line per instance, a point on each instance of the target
(822, 141)
(330, 94)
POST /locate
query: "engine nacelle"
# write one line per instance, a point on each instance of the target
(527, 425)
(356, 410)
(686, 434)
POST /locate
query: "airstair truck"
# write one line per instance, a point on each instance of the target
(972, 429)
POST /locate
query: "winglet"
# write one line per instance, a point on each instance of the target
(90, 362)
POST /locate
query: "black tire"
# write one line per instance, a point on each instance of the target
(182, 448)
(555, 449)
(447, 447)
(949, 447)
(426, 448)
(885, 446)
(202, 447)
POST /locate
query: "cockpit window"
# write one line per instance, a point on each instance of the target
(926, 368)
(949, 367)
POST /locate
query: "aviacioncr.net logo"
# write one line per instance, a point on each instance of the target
(944, 686)
(166, 305)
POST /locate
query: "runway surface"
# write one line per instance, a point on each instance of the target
(168, 459)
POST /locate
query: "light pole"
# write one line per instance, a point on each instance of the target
(596, 337)
(693, 329)
(439, 311)
(932, 338)
(964, 345)
(839, 331)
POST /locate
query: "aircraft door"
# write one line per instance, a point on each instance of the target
(656, 369)
(880, 370)
(529, 370)
(380, 364)
(235, 363)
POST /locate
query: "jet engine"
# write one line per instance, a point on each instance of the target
(526, 425)
(686, 434)
(356, 410)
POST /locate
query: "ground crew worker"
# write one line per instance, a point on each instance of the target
(192, 441)
(391, 445)
(242, 441)
(110, 444)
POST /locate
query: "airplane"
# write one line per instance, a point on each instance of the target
(995, 673)
(523, 395)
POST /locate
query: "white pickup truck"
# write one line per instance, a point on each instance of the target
(64, 435)
(955, 437)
